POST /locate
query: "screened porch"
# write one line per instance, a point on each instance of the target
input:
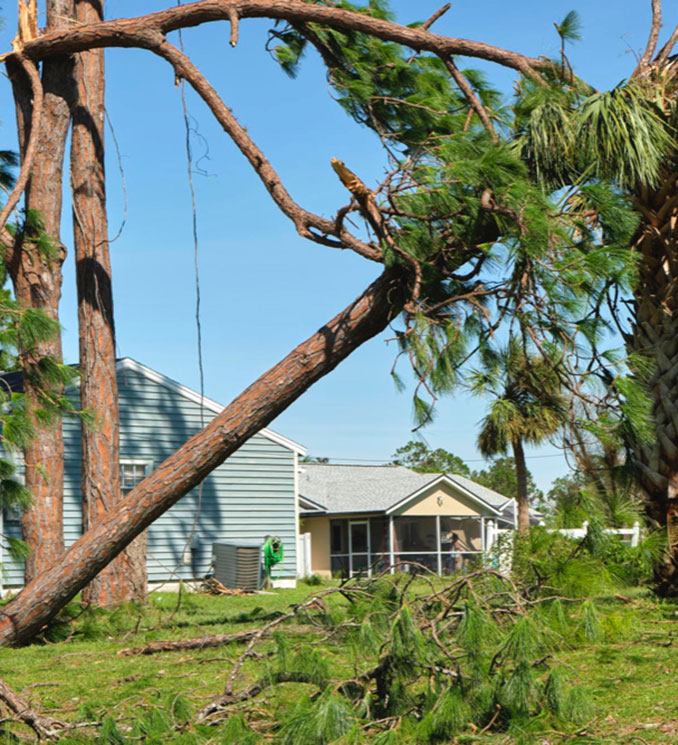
(373, 544)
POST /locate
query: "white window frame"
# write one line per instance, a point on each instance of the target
(148, 464)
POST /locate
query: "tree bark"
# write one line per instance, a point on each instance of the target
(521, 478)
(265, 399)
(37, 283)
(654, 334)
(124, 579)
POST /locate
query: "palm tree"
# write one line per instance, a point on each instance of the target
(527, 407)
(575, 138)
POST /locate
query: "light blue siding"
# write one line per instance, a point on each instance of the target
(249, 496)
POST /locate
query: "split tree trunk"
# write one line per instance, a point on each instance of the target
(655, 335)
(37, 283)
(124, 579)
(521, 497)
(265, 399)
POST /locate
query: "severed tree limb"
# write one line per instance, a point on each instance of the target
(368, 206)
(302, 219)
(43, 726)
(31, 72)
(471, 97)
(122, 32)
(228, 697)
(655, 28)
(248, 413)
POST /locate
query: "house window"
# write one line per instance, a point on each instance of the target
(131, 473)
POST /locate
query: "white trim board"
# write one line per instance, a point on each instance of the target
(127, 363)
(314, 506)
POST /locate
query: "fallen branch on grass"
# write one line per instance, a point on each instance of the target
(202, 642)
(43, 726)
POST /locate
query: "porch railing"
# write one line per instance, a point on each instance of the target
(443, 562)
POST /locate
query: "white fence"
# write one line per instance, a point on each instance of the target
(628, 535)
(303, 554)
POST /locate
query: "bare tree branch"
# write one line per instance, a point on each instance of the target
(471, 97)
(644, 61)
(432, 19)
(302, 219)
(124, 32)
(32, 73)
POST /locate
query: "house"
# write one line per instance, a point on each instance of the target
(368, 518)
(252, 494)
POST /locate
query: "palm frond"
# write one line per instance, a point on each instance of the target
(624, 136)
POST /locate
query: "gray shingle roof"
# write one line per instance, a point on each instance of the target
(344, 489)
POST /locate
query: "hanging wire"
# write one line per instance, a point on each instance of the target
(123, 179)
(196, 267)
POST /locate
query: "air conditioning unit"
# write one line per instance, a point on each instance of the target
(238, 565)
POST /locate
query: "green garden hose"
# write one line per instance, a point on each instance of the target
(273, 553)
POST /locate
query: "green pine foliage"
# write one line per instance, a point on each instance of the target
(450, 715)
(499, 223)
(236, 731)
(321, 721)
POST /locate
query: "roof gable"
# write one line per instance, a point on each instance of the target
(127, 363)
(443, 480)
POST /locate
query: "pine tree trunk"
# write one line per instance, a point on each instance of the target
(265, 399)
(37, 283)
(655, 335)
(124, 579)
(521, 479)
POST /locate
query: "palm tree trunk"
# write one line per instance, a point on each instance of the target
(521, 496)
(655, 335)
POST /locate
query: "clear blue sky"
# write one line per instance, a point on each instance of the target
(263, 288)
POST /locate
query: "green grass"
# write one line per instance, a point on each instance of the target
(633, 680)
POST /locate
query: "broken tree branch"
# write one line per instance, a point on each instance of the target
(29, 68)
(368, 206)
(202, 642)
(233, 18)
(43, 726)
(433, 18)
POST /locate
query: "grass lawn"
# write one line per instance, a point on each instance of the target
(633, 682)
